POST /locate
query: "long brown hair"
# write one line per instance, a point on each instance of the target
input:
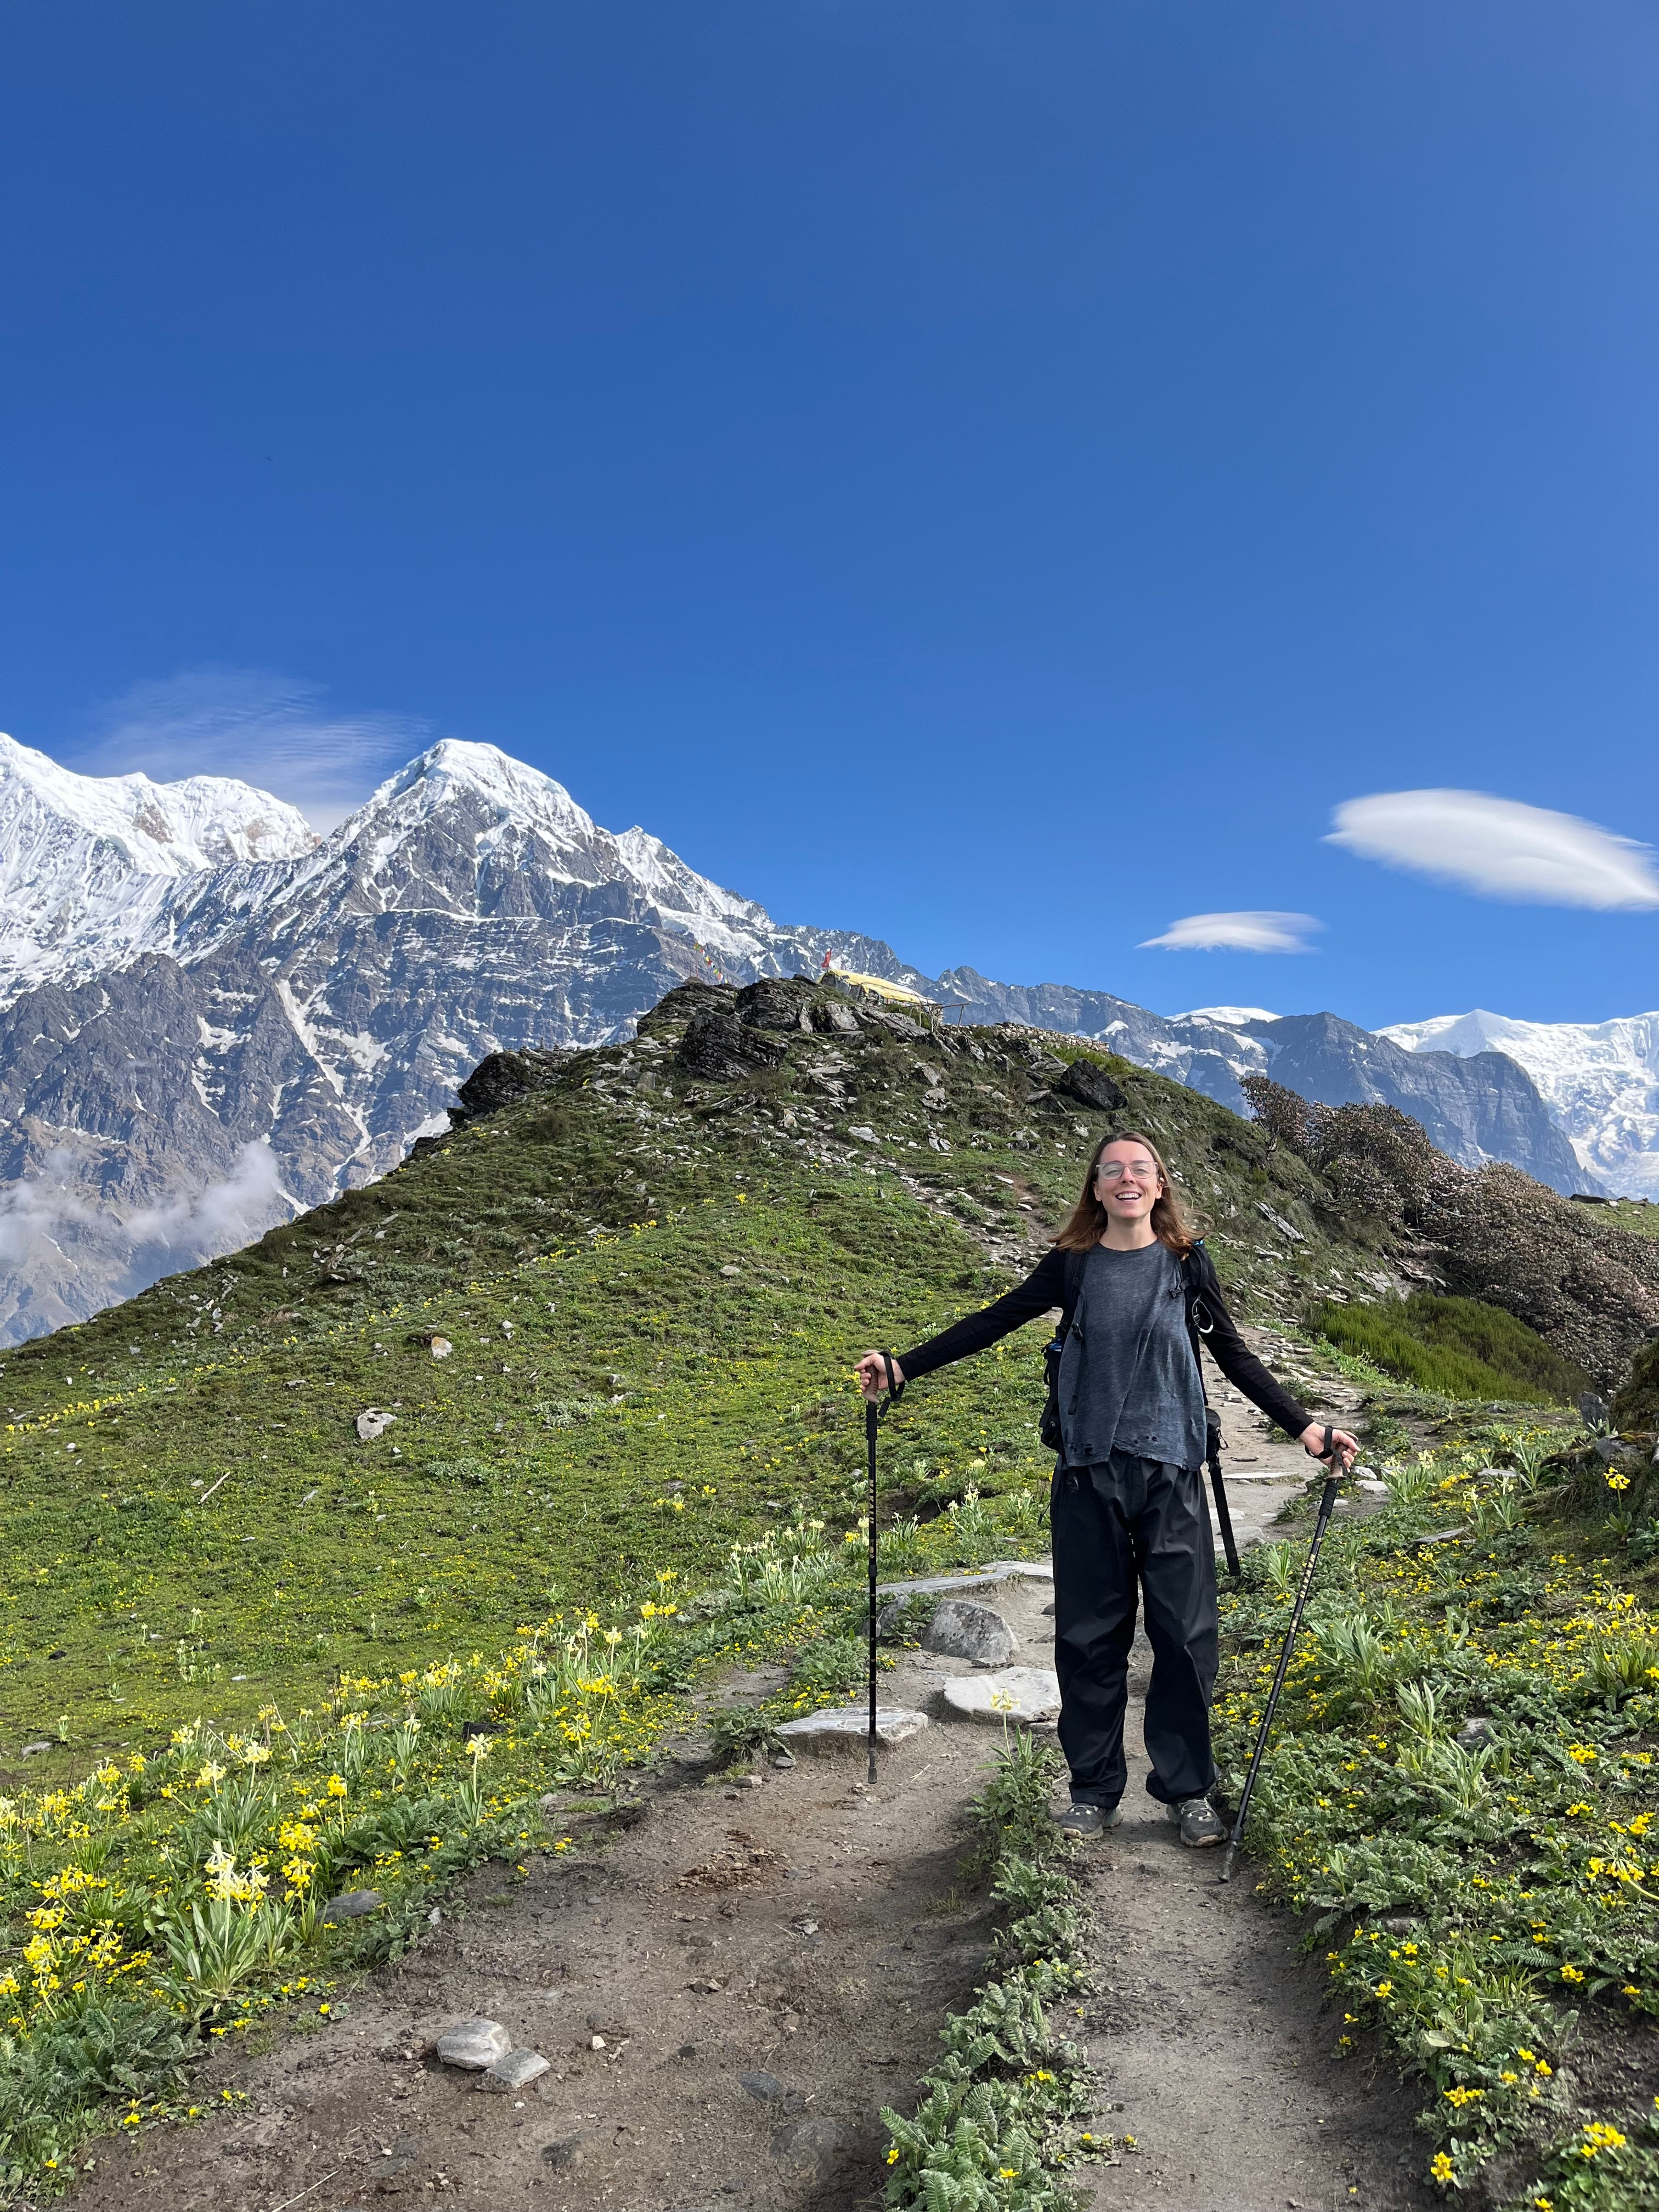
(1089, 1217)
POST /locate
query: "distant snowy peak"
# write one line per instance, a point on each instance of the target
(164, 828)
(1599, 1079)
(88, 863)
(1230, 1018)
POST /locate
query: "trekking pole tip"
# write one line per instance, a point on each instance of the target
(1227, 1863)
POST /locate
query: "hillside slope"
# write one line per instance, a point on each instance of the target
(654, 1275)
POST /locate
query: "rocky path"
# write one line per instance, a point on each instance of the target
(729, 1982)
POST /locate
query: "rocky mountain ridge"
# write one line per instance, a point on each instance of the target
(216, 1019)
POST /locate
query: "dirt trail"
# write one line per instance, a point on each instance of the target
(810, 1936)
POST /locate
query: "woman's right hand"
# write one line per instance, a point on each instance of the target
(873, 1374)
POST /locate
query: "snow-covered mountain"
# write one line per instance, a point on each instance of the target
(210, 1018)
(246, 1019)
(1599, 1079)
(88, 863)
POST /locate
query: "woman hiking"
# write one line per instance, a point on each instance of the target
(1128, 1508)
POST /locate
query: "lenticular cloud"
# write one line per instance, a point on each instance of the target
(1499, 848)
(1253, 932)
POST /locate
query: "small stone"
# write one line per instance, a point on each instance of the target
(731, 1271)
(866, 1136)
(610, 2024)
(352, 1904)
(783, 1759)
(818, 2145)
(764, 2088)
(563, 2157)
(474, 2044)
(597, 2042)
(516, 2072)
(1476, 1731)
(847, 1729)
(372, 1423)
(1023, 1696)
(30, 1749)
(434, 1918)
(750, 1781)
(963, 1629)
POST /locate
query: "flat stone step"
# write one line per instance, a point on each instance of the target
(998, 1570)
(1022, 1696)
(838, 1728)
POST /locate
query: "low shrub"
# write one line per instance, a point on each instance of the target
(1458, 1347)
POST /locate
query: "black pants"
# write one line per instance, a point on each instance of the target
(1128, 1522)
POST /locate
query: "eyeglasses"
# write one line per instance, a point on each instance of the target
(1115, 1171)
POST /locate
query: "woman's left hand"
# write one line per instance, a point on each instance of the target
(1345, 1448)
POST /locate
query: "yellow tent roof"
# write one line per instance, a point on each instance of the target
(899, 993)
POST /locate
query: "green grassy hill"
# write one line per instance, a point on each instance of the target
(654, 1283)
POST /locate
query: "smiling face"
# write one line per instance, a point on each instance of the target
(1126, 1181)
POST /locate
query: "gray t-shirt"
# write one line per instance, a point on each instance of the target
(1127, 1378)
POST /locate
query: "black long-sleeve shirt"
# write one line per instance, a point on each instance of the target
(1044, 1288)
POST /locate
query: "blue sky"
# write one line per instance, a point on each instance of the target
(997, 476)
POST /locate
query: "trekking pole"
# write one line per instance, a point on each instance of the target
(1213, 1432)
(874, 1415)
(1327, 1507)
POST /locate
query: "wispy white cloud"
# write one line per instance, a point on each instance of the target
(273, 731)
(1253, 932)
(1499, 848)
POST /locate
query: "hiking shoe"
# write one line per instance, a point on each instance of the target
(1200, 1824)
(1086, 1822)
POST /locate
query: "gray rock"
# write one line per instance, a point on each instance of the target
(565, 2156)
(372, 1424)
(997, 1570)
(845, 1728)
(474, 2044)
(516, 2072)
(961, 1629)
(1023, 1696)
(1594, 1412)
(611, 2025)
(30, 1750)
(1475, 1732)
(817, 2145)
(1088, 1083)
(352, 1904)
(764, 2088)
(783, 1759)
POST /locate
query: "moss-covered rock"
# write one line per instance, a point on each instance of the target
(1637, 1405)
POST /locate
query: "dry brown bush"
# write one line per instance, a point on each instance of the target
(1591, 1291)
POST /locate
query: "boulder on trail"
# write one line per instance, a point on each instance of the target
(1023, 1696)
(777, 1003)
(719, 1045)
(846, 1728)
(503, 1076)
(961, 1629)
(474, 2044)
(1088, 1083)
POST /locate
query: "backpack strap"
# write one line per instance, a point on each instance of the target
(1074, 1287)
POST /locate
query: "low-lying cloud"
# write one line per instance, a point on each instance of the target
(272, 730)
(1255, 931)
(63, 1257)
(1499, 848)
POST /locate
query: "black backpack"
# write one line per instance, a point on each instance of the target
(1199, 1325)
